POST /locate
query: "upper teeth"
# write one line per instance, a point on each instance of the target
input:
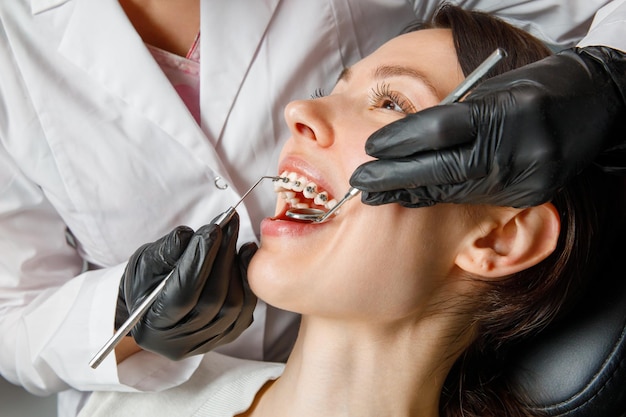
(292, 183)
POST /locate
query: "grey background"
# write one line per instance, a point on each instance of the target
(16, 402)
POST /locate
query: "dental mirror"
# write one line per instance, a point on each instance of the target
(314, 215)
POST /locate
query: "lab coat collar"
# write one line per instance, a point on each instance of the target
(99, 39)
(38, 6)
(231, 32)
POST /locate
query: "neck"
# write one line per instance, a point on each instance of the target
(169, 25)
(347, 370)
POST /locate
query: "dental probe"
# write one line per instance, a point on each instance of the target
(474, 76)
(314, 215)
(136, 315)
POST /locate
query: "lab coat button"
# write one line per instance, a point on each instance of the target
(220, 183)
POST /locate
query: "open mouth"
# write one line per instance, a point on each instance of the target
(301, 193)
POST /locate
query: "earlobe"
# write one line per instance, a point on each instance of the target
(510, 241)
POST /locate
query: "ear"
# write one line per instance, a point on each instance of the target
(510, 240)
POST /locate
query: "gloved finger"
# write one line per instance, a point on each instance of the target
(431, 129)
(159, 257)
(250, 299)
(246, 252)
(175, 244)
(468, 192)
(216, 288)
(241, 323)
(180, 295)
(149, 265)
(239, 292)
(481, 192)
(207, 327)
(230, 308)
(245, 312)
(245, 319)
(403, 197)
(440, 167)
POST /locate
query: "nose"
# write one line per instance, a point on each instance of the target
(311, 119)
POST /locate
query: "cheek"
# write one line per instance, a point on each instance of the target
(355, 157)
(398, 267)
(352, 150)
(379, 264)
(404, 257)
(357, 122)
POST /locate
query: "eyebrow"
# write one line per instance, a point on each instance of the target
(345, 74)
(385, 71)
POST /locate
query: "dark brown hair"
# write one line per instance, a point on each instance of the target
(518, 307)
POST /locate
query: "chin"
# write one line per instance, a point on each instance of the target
(276, 282)
(264, 279)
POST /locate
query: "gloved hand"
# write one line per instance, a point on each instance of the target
(207, 301)
(514, 141)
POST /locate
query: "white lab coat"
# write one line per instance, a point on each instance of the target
(93, 138)
(608, 27)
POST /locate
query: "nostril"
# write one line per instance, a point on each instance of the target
(304, 130)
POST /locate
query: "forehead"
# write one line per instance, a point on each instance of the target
(429, 52)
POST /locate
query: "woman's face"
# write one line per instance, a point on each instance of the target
(382, 261)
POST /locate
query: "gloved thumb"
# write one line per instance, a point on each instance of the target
(431, 129)
(246, 253)
(170, 247)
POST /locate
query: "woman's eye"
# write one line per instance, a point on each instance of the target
(384, 98)
(391, 105)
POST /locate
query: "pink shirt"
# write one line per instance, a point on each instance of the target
(183, 73)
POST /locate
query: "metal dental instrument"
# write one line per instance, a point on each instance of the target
(314, 215)
(474, 76)
(136, 315)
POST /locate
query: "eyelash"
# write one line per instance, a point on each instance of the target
(318, 93)
(377, 96)
(382, 92)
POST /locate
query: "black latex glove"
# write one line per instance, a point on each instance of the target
(207, 301)
(514, 141)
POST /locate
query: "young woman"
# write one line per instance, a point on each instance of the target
(405, 312)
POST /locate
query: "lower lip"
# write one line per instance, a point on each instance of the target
(274, 227)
